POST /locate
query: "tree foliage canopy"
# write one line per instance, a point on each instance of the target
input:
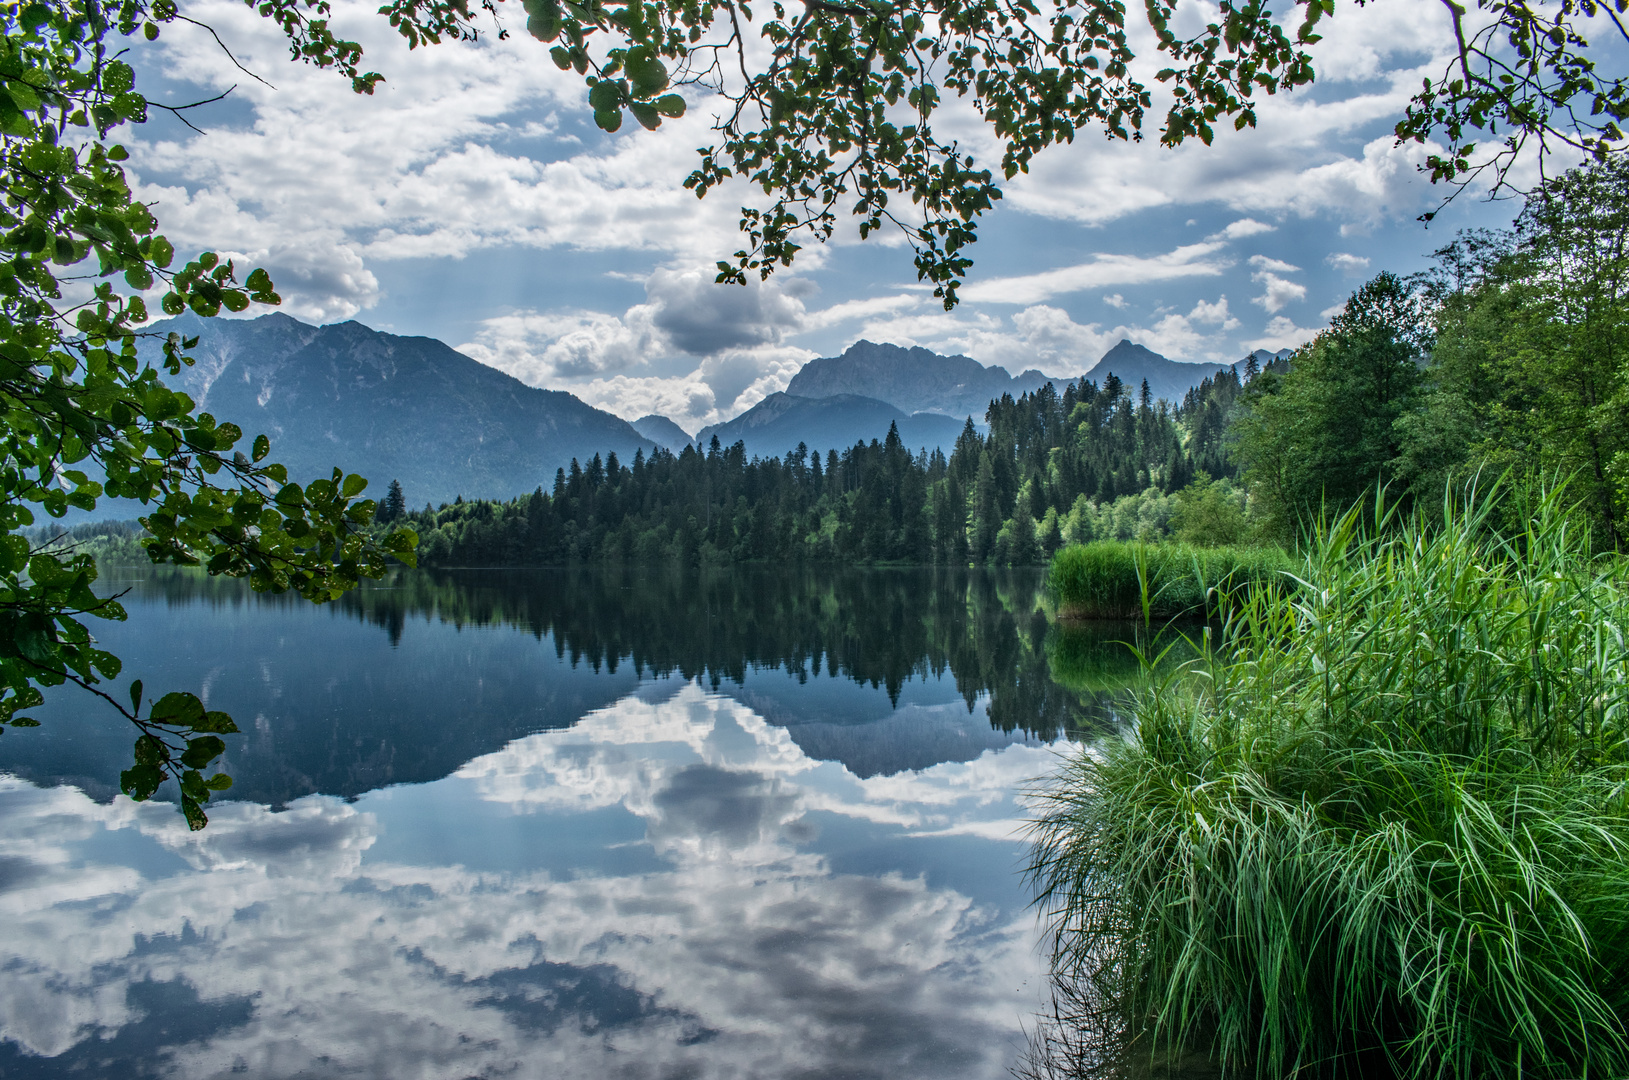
(82, 418)
(1512, 356)
(830, 106)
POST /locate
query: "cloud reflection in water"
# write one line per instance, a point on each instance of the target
(432, 930)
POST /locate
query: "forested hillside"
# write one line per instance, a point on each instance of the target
(1094, 460)
(1506, 360)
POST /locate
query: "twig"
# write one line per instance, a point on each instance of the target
(225, 50)
(179, 109)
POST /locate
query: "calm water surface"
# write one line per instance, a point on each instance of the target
(551, 824)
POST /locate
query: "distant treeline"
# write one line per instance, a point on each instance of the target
(1092, 462)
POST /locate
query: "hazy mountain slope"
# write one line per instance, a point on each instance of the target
(782, 420)
(390, 407)
(663, 432)
(1267, 356)
(912, 380)
(1168, 379)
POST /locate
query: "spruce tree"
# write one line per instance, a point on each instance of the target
(395, 505)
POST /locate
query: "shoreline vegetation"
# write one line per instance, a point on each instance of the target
(1381, 828)
(1116, 580)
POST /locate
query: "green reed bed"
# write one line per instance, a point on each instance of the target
(1111, 579)
(1381, 829)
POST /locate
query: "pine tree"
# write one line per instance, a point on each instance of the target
(984, 519)
(395, 505)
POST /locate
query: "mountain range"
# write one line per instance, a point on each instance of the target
(663, 432)
(782, 420)
(388, 407)
(834, 401)
(912, 380)
(414, 410)
(1135, 364)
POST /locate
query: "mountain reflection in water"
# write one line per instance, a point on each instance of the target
(551, 824)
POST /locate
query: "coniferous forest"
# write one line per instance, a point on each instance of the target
(1504, 359)
(1092, 462)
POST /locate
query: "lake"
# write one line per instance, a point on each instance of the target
(588, 822)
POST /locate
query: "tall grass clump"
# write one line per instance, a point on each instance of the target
(1112, 579)
(1382, 829)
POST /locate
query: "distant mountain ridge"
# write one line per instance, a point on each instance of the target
(388, 407)
(1167, 379)
(912, 380)
(415, 410)
(782, 420)
(663, 432)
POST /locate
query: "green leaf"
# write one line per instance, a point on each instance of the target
(135, 696)
(603, 96)
(262, 447)
(646, 72)
(23, 95)
(202, 750)
(141, 781)
(608, 119)
(542, 19)
(178, 708)
(648, 117)
(217, 722)
(670, 105)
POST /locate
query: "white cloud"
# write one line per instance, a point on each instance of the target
(540, 349)
(1214, 313)
(742, 952)
(1279, 291)
(1326, 154)
(1190, 260)
(467, 149)
(646, 359)
(1348, 263)
(860, 309)
(1281, 333)
(1242, 228)
(1046, 337)
(441, 161)
(1263, 262)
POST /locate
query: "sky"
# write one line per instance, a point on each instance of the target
(471, 199)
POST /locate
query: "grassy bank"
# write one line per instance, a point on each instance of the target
(1385, 831)
(1111, 579)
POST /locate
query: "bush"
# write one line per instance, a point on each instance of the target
(1382, 830)
(1109, 579)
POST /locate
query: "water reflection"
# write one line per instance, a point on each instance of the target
(881, 670)
(670, 887)
(553, 823)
